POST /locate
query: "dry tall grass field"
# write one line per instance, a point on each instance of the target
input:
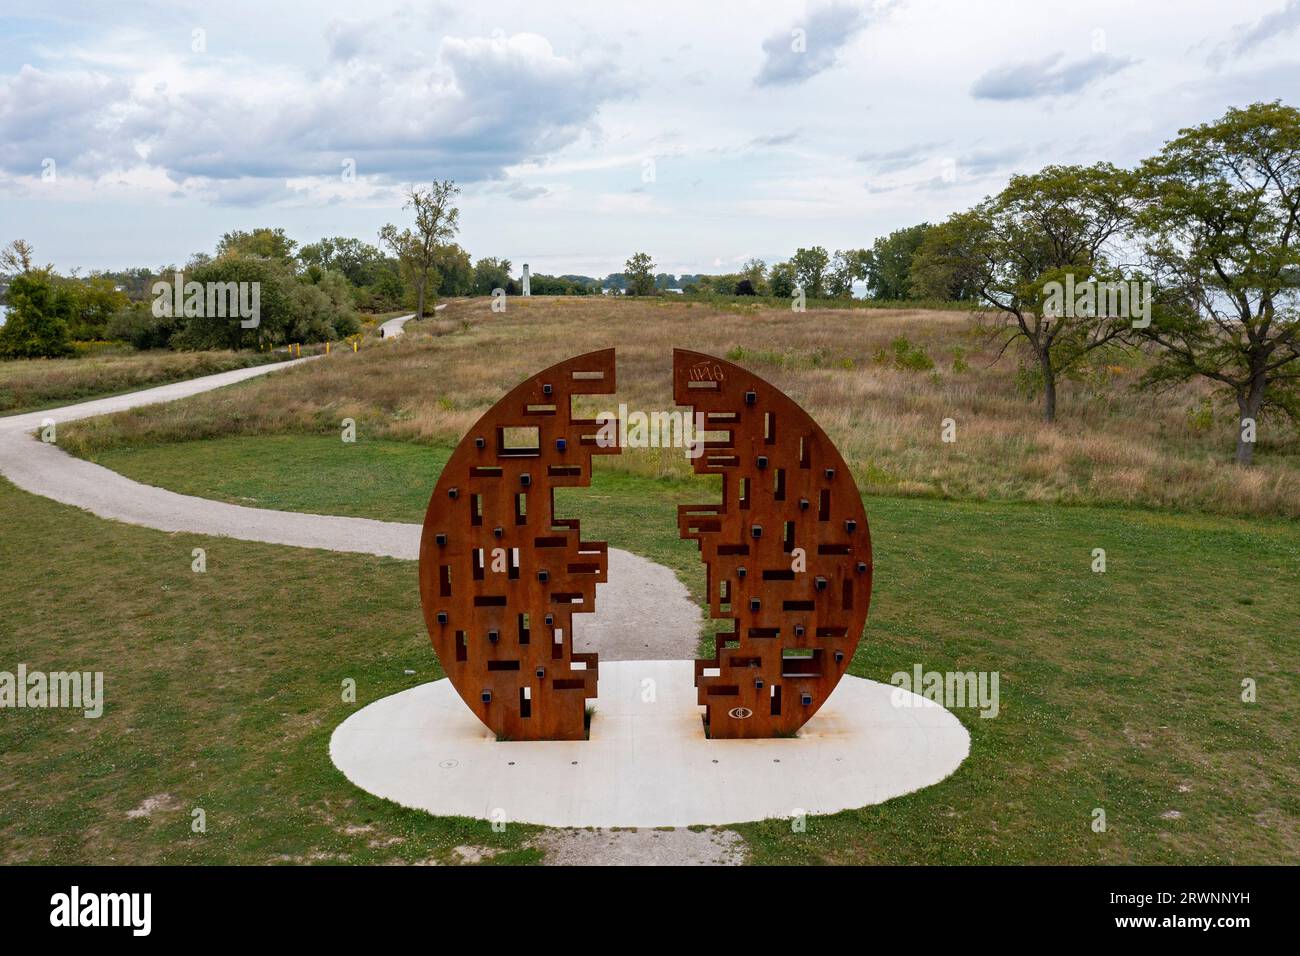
(862, 373)
(28, 384)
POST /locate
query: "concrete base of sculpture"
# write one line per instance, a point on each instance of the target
(648, 763)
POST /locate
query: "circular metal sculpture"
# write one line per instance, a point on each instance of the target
(787, 552)
(500, 575)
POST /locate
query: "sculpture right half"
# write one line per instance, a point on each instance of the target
(787, 552)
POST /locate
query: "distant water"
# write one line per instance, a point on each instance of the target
(4, 311)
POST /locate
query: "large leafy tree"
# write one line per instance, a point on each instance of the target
(436, 221)
(358, 261)
(36, 326)
(755, 270)
(1042, 228)
(491, 273)
(781, 280)
(275, 286)
(847, 266)
(810, 270)
(262, 243)
(16, 258)
(1221, 215)
(94, 301)
(640, 272)
(455, 274)
(889, 264)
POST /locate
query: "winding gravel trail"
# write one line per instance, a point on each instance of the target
(394, 327)
(643, 612)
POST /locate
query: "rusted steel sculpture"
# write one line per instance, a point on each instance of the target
(786, 495)
(500, 575)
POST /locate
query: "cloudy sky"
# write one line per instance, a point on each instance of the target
(135, 133)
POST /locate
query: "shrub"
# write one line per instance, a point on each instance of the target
(912, 358)
(959, 363)
(139, 327)
(35, 327)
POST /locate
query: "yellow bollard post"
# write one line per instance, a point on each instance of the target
(327, 348)
(354, 345)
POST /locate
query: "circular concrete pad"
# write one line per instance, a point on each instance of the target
(648, 763)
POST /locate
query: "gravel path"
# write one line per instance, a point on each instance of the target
(393, 327)
(643, 612)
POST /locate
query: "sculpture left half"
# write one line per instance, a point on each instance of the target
(501, 575)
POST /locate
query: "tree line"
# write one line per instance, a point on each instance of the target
(1206, 229)
(311, 293)
(1192, 256)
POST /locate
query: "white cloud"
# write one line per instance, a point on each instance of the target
(1046, 77)
(71, 117)
(1248, 36)
(809, 47)
(160, 150)
(235, 131)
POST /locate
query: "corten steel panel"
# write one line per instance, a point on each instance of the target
(784, 486)
(505, 635)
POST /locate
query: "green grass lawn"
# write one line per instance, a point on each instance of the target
(221, 688)
(1119, 691)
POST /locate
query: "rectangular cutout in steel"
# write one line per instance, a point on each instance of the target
(519, 440)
